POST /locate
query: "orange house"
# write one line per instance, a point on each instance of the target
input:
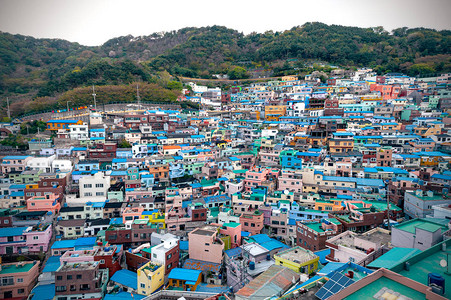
(160, 172)
(56, 125)
(387, 91)
(44, 203)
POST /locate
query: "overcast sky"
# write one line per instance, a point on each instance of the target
(93, 22)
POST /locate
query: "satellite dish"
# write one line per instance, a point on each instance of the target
(443, 263)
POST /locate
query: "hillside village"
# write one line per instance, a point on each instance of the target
(298, 188)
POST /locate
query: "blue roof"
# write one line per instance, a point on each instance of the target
(261, 238)
(330, 267)
(183, 274)
(12, 231)
(63, 244)
(116, 221)
(63, 121)
(17, 186)
(184, 245)
(16, 157)
(85, 241)
(126, 278)
(245, 233)
(118, 173)
(440, 176)
(322, 255)
(119, 160)
(233, 252)
(196, 185)
(44, 292)
(52, 264)
(273, 244)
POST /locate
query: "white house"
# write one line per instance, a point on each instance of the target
(62, 165)
(79, 132)
(41, 163)
(95, 187)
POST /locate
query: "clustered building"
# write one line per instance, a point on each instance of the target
(280, 189)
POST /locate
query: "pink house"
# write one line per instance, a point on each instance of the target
(44, 203)
(132, 213)
(78, 256)
(233, 230)
(255, 177)
(204, 244)
(18, 279)
(291, 181)
(38, 238)
(33, 239)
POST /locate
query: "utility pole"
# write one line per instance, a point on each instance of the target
(94, 95)
(137, 96)
(7, 104)
(67, 104)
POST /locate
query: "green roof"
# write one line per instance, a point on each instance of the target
(368, 291)
(393, 257)
(231, 224)
(147, 250)
(424, 224)
(425, 262)
(9, 269)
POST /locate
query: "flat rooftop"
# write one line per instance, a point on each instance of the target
(16, 268)
(78, 266)
(297, 255)
(254, 249)
(368, 291)
(410, 226)
(430, 263)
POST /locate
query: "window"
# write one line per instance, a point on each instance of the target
(59, 277)
(87, 186)
(143, 286)
(99, 185)
(72, 288)
(61, 288)
(19, 279)
(20, 291)
(99, 193)
(35, 238)
(78, 276)
(69, 277)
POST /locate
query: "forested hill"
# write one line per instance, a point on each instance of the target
(31, 68)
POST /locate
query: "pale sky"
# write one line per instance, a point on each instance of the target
(93, 22)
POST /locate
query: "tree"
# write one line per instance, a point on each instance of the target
(238, 73)
(174, 85)
(124, 144)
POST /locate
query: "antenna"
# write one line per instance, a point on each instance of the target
(138, 97)
(94, 95)
(7, 104)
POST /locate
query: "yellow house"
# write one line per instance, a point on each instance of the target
(150, 278)
(298, 259)
(155, 217)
